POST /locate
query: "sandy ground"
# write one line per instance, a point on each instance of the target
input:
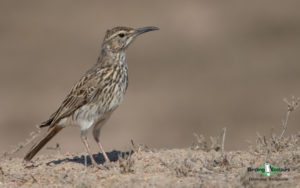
(204, 164)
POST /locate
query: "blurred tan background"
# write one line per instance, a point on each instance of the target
(212, 64)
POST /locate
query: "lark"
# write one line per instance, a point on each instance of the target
(97, 94)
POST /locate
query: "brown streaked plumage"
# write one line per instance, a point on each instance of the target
(97, 94)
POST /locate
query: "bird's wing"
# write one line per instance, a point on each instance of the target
(82, 92)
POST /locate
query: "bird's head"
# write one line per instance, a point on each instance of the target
(119, 38)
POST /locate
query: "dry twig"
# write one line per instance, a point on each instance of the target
(21, 145)
(223, 140)
(292, 106)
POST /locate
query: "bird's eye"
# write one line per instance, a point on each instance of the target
(121, 35)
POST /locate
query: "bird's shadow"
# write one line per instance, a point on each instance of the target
(99, 158)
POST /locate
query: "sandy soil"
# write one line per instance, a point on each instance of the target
(204, 164)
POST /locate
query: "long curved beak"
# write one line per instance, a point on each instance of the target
(145, 29)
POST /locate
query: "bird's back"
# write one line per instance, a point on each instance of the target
(99, 91)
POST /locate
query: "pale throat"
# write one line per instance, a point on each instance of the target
(121, 57)
(118, 58)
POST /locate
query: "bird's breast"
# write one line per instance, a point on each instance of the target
(108, 100)
(114, 90)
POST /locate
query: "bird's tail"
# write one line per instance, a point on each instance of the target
(37, 147)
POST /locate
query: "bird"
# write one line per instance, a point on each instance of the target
(98, 93)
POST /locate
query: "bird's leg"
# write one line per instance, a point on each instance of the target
(103, 152)
(87, 148)
(96, 134)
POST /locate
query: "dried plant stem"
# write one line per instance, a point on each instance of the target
(223, 140)
(292, 106)
(285, 123)
(21, 145)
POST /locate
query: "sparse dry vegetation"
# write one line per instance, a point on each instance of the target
(188, 167)
(206, 163)
(126, 164)
(173, 167)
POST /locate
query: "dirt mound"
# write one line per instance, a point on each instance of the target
(203, 164)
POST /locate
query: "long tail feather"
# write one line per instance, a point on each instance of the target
(36, 148)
